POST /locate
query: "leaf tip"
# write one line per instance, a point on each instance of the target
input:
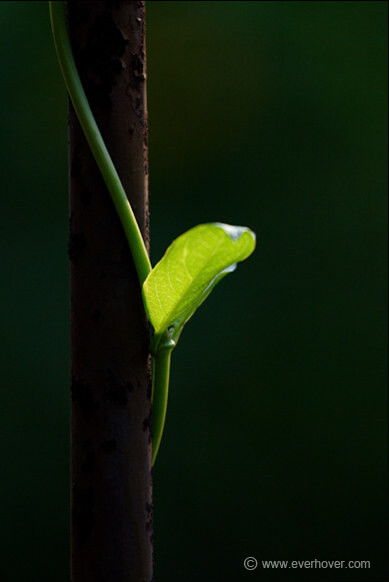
(235, 232)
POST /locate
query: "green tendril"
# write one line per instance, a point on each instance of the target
(95, 140)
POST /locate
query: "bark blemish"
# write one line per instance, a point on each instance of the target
(101, 57)
(116, 390)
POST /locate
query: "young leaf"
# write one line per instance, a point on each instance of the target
(189, 270)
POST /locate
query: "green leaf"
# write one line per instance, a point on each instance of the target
(191, 267)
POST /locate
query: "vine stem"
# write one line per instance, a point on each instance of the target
(161, 360)
(161, 374)
(95, 140)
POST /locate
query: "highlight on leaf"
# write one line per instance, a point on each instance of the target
(190, 268)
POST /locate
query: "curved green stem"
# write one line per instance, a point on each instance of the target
(161, 360)
(161, 373)
(95, 140)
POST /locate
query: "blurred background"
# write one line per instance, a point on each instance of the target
(266, 114)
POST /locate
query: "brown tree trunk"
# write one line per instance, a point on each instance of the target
(111, 526)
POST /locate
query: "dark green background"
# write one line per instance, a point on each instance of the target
(267, 114)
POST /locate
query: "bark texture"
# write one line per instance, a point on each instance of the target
(111, 524)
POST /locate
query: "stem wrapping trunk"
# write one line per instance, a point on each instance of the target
(111, 523)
